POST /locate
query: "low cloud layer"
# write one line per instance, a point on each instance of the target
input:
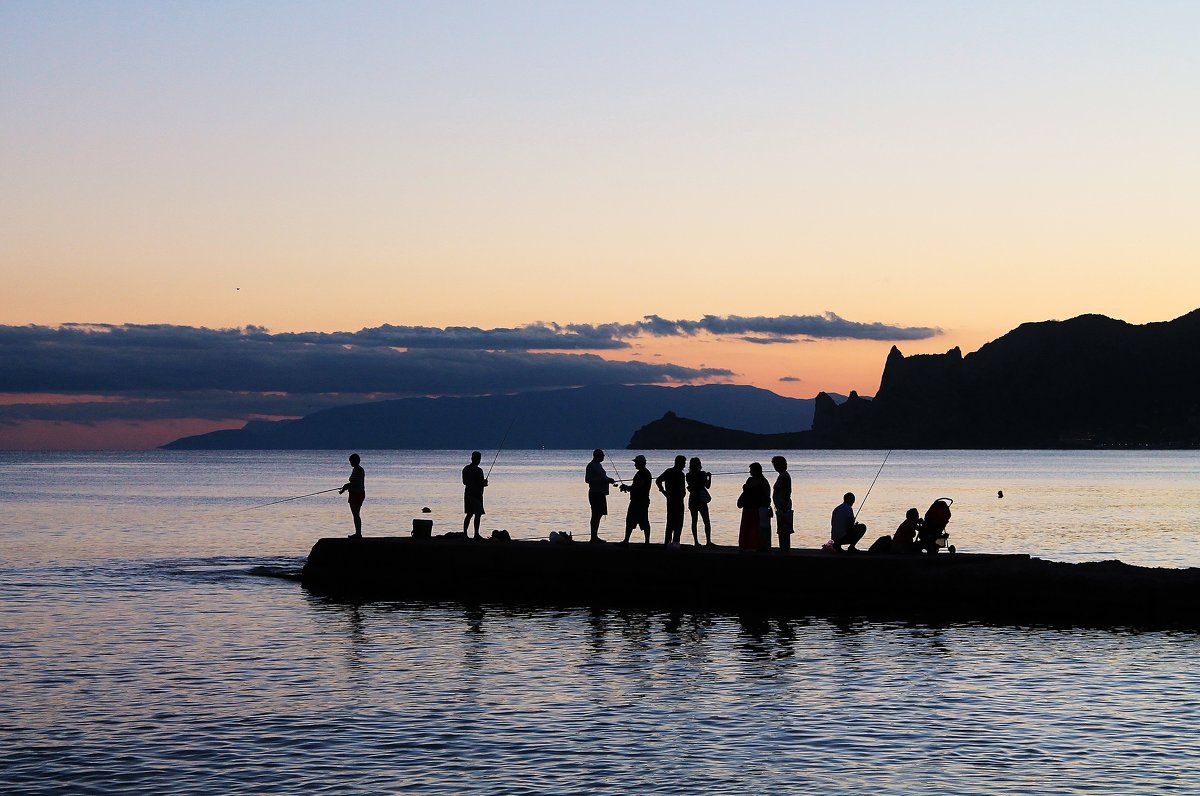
(760, 329)
(149, 372)
(163, 372)
(538, 336)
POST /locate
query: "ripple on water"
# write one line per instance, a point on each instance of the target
(168, 677)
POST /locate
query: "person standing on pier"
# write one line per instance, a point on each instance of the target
(698, 484)
(781, 496)
(672, 483)
(638, 515)
(755, 503)
(357, 487)
(843, 529)
(474, 482)
(598, 483)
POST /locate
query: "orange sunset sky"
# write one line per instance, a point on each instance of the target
(334, 167)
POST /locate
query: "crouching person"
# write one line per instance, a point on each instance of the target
(905, 539)
(843, 529)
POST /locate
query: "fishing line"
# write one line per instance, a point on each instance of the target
(502, 441)
(872, 486)
(285, 500)
(614, 464)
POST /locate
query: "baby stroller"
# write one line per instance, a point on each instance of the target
(932, 536)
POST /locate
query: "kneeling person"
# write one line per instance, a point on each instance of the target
(843, 529)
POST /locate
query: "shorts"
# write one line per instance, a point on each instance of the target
(638, 516)
(598, 502)
(356, 498)
(473, 504)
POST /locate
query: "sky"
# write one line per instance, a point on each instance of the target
(214, 212)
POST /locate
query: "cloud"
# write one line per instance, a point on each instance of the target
(790, 378)
(165, 371)
(774, 329)
(534, 336)
(200, 404)
(162, 371)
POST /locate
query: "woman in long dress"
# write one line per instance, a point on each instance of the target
(754, 500)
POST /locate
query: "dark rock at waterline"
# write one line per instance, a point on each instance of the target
(996, 588)
(1086, 382)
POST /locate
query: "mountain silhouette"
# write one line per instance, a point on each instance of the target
(579, 418)
(1086, 382)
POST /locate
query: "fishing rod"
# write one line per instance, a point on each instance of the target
(285, 500)
(502, 441)
(872, 486)
(614, 464)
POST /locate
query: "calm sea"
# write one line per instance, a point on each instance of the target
(144, 650)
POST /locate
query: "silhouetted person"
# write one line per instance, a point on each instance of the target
(638, 515)
(672, 483)
(843, 530)
(698, 483)
(755, 503)
(781, 496)
(357, 487)
(473, 485)
(597, 481)
(904, 540)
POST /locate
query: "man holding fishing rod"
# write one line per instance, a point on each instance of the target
(474, 482)
(357, 487)
(843, 528)
(598, 482)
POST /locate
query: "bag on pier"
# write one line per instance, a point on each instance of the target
(881, 545)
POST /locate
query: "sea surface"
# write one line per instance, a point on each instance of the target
(149, 645)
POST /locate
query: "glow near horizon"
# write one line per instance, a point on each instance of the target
(349, 165)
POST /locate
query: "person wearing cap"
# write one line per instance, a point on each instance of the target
(672, 483)
(698, 484)
(638, 515)
(474, 482)
(598, 483)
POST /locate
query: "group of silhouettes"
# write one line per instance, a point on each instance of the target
(760, 502)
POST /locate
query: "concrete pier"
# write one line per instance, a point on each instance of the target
(966, 586)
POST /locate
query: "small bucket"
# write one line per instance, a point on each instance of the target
(422, 529)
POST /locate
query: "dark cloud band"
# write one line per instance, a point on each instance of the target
(763, 329)
(171, 371)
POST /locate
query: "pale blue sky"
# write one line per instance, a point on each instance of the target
(334, 166)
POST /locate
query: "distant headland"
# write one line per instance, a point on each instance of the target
(1087, 382)
(583, 417)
